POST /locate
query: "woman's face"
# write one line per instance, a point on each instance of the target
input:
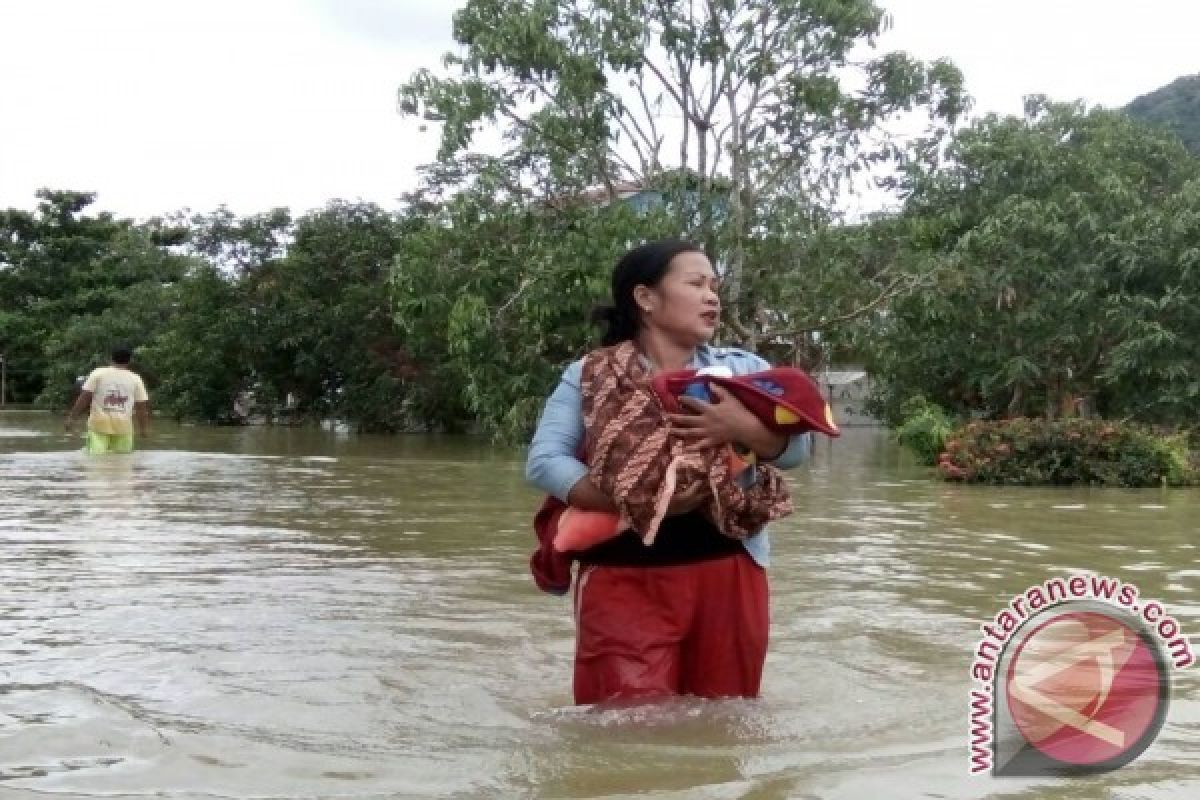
(685, 303)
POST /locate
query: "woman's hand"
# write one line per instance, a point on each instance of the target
(724, 422)
(713, 424)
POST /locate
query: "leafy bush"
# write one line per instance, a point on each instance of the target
(924, 429)
(1031, 452)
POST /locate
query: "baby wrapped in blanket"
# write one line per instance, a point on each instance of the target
(635, 458)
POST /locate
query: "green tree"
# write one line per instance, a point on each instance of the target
(239, 244)
(201, 353)
(72, 284)
(758, 110)
(1064, 245)
(492, 300)
(322, 325)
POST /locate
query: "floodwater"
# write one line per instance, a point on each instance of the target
(286, 613)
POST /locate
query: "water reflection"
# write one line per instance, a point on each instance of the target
(277, 613)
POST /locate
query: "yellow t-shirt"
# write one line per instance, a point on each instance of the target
(114, 391)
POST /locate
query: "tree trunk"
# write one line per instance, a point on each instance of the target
(1016, 402)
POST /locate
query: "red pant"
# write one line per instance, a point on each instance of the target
(697, 629)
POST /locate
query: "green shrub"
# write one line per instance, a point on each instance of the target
(1032, 452)
(924, 428)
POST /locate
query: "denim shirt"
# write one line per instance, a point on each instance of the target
(553, 467)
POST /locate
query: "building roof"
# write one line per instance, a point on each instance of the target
(840, 377)
(597, 196)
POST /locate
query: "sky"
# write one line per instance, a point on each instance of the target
(165, 105)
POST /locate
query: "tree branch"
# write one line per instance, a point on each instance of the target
(894, 289)
(633, 172)
(650, 119)
(498, 318)
(621, 115)
(729, 59)
(667, 85)
(720, 141)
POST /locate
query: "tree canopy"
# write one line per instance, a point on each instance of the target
(1064, 245)
(753, 114)
(214, 305)
(1041, 265)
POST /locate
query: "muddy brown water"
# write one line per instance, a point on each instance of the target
(288, 613)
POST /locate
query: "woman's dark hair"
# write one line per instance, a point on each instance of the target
(121, 354)
(644, 265)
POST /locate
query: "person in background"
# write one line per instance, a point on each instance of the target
(688, 614)
(117, 400)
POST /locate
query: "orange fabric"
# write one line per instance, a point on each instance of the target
(578, 529)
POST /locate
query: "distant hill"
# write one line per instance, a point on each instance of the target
(1175, 106)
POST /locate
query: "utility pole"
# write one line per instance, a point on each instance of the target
(3, 379)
